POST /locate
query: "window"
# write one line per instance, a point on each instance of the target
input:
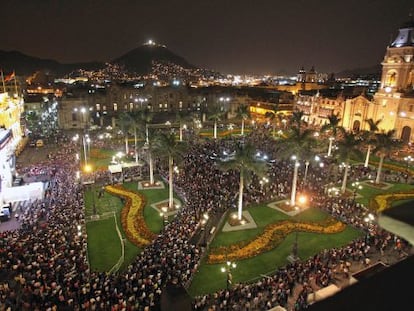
(115, 107)
(98, 107)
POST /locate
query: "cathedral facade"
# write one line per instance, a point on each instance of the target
(393, 103)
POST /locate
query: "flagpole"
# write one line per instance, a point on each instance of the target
(2, 79)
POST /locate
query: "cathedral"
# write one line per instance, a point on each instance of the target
(393, 103)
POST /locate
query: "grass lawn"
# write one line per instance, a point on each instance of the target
(104, 247)
(369, 192)
(209, 278)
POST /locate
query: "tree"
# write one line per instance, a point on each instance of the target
(145, 117)
(243, 113)
(297, 119)
(124, 123)
(166, 145)
(132, 120)
(273, 116)
(216, 112)
(370, 136)
(348, 147)
(333, 127)
(246, 163)
(181, 117)
(385, 144)
(298, 145)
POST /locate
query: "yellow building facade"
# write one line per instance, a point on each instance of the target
(393, 103)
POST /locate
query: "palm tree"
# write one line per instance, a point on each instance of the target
(246, 163)
(181, 116)
(166, 145)
(297, 119)
(272, 116)
(348, 147)
(332, 126)
(145, 117)
(243, 113)
(298, 145)
(370, 135)
(150, 147)
(125, 123)
(132, 120)
(216, 112)
(385, 144)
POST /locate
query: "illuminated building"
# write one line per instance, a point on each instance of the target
(393, 103)
(11, 135)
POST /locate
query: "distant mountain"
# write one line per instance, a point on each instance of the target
(373, 71)
(25, 65)
(141, 59)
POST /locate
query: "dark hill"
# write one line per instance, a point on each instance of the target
(140, 59)
(25, 65)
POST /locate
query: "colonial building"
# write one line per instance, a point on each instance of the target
(11, 133)
(393, 103)
(86, 107)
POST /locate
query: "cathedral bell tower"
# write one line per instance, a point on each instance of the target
(398, 63)
(394, 101)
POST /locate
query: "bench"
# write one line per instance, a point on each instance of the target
(212, 230)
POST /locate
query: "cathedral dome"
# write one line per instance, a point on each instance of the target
(405, 35)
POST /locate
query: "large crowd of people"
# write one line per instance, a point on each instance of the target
(44, 266)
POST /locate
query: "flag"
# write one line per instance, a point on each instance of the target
(9, 77)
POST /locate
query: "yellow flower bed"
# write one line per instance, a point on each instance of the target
(383, 201)
(272, 235)
(132, 218)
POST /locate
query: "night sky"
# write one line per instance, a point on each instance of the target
(243, 36)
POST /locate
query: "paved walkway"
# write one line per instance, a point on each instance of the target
(13, 223)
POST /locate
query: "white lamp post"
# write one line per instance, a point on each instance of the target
(228, 269)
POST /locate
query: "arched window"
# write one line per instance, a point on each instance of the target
(356, 126)
(391, 79)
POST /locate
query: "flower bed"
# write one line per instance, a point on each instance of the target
(132, 218)
(271, 237)
(383, 201)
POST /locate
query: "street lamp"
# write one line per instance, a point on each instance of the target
(302, 200)
(408, 159)
(164, 216)
(369, 218)
(228, 268)
(356, 186)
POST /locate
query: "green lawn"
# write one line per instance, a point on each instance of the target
(103, 255)
(368, 192)
(209, 278)
(104, 248)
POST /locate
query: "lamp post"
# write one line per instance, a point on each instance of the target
(294, 256)
(294, 180)
(228, 268)
(84, 149)
(164, 216)
(356, 185)
(408, 159)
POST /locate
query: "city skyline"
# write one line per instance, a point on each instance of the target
(239, 37)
